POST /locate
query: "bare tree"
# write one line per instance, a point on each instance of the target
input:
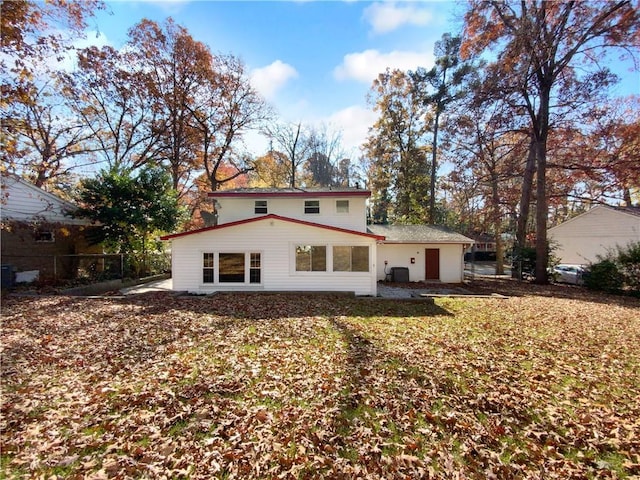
(48, 137)
(325, 149)
(292, 140)
(110, 96)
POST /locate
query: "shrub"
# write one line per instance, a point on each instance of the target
(604, 276)
(618, 270)
(629, 264)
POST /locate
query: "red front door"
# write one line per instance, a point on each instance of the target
(432, 263)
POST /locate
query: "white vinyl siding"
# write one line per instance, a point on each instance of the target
(580, 240)
(276, 241)
(400, 255)
(236, 209)
(23, 201)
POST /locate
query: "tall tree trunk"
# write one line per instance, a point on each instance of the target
(542, 209)
(432, 184)
(497, 224)
(525, 204)
(626, 191)
(541, 215)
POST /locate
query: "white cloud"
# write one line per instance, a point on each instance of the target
(388, 16)
(68, 61)
(365, 66)
(354, 122)
(268, 80)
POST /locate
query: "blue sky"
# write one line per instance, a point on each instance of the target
(314, 61)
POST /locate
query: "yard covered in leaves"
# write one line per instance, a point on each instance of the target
(279, 386)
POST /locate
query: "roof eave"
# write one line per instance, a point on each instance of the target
(272, 216)
(427, 242)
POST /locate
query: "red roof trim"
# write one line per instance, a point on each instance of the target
(272, 216)
(300, 194)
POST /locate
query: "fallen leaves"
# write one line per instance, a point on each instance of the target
(278, 386)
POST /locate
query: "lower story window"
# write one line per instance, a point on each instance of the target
(231, 268)
(254, 268)
(243, 267)
(207, 267)
(350, 259)
(311, 258)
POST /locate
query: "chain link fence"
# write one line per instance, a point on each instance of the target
(81, 268)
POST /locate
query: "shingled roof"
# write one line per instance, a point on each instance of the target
(417, 234)
(291, 192)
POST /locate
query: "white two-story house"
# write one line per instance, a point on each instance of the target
(307, 240)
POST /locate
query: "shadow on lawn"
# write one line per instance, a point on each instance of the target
(278, 306)
(71, 331)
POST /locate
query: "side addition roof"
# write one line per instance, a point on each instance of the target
(418, 234)
(272, 216)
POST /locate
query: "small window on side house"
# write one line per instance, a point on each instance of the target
(342, 206)
(260, 207)
(44, 236)
(311, 206)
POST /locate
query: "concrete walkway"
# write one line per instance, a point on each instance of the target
(164, 285)
(384, 291)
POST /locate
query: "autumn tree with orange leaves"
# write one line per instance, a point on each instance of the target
(178, 67)
(538, 46)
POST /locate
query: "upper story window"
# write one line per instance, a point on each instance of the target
(260, 207)
(312, 206)
(342, 206)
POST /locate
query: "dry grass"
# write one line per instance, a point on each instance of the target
(543, 385)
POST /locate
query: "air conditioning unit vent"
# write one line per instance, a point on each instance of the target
(400, 274)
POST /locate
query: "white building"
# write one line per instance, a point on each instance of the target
(306, 240)
(581, 239)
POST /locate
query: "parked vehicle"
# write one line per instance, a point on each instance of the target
(573, 274)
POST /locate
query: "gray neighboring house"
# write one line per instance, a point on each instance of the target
(582, 238)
